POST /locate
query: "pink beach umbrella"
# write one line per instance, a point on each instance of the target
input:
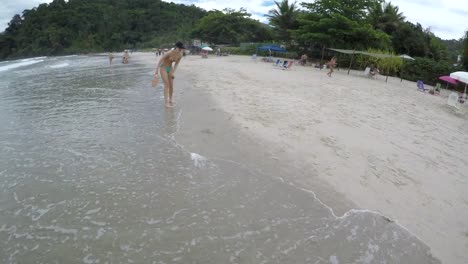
(448, 79)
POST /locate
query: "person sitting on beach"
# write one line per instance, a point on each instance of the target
(167, 70)
(331, 65)
(373, 70)
(304, 60)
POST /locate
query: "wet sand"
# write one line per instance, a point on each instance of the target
(383, 146)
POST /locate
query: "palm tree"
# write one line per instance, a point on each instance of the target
(283, 19)
(465, 51)
(386, 17)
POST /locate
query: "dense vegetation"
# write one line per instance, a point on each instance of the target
(230, 27)
(96, 25)
(364, 25)
(465, 51)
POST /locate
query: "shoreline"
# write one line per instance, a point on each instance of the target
(178, 184)
(389, 169)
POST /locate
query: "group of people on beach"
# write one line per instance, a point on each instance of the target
(167, 65)
(331, 64)
(125, 57)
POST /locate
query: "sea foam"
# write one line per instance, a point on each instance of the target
(21, 63)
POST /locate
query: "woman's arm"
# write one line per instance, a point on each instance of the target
(175, 66)
(159, 62)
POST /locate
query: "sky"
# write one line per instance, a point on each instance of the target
(447, 19)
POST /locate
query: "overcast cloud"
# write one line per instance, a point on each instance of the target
(447, 19)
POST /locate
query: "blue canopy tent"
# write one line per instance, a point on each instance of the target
(272, 48)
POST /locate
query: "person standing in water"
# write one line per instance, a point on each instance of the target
(125, 58)
(167, 70)
(111, 57)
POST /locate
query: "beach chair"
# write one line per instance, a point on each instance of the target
(453, 100)
(278, 61)
(254, 57)
(435, 90)
(367, 72)
(420, 85)
(290, 64)
(285, 64)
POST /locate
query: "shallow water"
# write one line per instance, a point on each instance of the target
(91, 172)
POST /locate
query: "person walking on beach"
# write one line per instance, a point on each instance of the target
(111, 57)
(331, 65)
(167, 70)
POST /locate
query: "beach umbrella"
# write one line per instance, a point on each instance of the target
(460, 76)
(406, 57)
(448, 80)
(207, 49)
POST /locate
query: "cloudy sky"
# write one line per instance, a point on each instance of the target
(448, 19)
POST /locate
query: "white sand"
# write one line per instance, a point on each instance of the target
(385, 146)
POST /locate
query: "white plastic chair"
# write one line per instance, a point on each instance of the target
(453, 100)
(367, 71)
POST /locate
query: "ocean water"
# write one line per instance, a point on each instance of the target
(91, 171)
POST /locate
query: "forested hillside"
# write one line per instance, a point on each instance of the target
(96, 25)
(77, 26)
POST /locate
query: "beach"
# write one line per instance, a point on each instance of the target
(385, 146)
(252, 165)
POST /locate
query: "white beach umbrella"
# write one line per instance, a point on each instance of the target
(404, 56)
(207, 49)
(460, 76)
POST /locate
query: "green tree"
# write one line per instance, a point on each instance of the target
(339, 24)
(385, 16)
(410, 39)
(454, 47)
(437, 49)
(465, 51)
(355, 10)
(14, 24)
(425, 69)
(230, 27)
(283, 19)
(83, 25)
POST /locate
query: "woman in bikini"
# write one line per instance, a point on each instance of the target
(167, 70)
(331, 66)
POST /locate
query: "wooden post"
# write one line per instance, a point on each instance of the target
(351, 62)
(323, 54)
